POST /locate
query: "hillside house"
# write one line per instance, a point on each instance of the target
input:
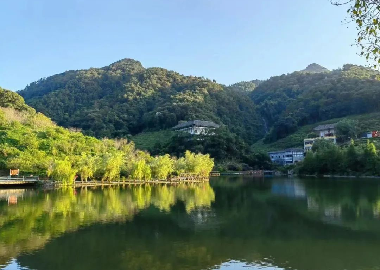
(325, 130)
(196, 127)
(287, 157)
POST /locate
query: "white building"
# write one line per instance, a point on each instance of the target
(196, 127)
(287, 156)
(326, 132)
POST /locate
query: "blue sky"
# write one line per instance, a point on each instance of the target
(225, 40)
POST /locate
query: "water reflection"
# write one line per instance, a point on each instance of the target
(42, 215)
(238, 223)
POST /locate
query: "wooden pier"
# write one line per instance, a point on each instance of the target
(8, 181)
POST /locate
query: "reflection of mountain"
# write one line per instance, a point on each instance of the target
(38, 218)
(199, 227)
(252, 231)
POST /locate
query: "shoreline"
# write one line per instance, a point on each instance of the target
(340, 176)
(48, 184)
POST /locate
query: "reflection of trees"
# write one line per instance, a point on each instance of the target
(353, 204)
(156, 241)
(38, 218)
(247, 222)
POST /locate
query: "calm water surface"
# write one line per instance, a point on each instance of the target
(229, 223)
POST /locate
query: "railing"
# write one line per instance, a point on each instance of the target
(23, 178)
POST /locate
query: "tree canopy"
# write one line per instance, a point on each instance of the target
(365, 15)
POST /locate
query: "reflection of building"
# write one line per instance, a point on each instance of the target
(289, 188)
(326, 132)
(330, 213)
(287, 156)
(11, 195)
(196, 127)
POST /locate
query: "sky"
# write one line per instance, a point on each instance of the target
(225, 40)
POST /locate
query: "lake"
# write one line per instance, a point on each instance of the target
(228, 223)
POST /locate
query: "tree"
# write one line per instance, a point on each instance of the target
(365, 14)
(141, 170)
(63, 171)
(352, 160)
(162, 167)
(86, 166)
(112, 166)
(370, 158)
(346, 129)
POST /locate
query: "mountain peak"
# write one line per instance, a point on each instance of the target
(315, 68)
(127, 64)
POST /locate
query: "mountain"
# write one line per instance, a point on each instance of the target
(288, 102)
(31, 142)
(125, 99)
(314, 68)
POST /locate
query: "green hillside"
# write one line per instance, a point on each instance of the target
(150, 140)
(288, 102)
(125, 99)
(365, 122)
(31, 142)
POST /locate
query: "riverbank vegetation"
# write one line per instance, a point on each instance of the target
(354, 159)
(34, 144)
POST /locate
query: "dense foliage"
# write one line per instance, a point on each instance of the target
(328, 158)
(365, 15)
(125, 98)
(288, 102)
(229, 150)
(32, 143)
(245, 86)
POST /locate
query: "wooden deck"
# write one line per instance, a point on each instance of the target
(13, 181)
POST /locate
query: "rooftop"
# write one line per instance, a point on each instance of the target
(323, 127)
(197, 123)
(287, 150)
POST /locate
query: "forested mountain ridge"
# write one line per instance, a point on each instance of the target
(125, 98)
(290, 101)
